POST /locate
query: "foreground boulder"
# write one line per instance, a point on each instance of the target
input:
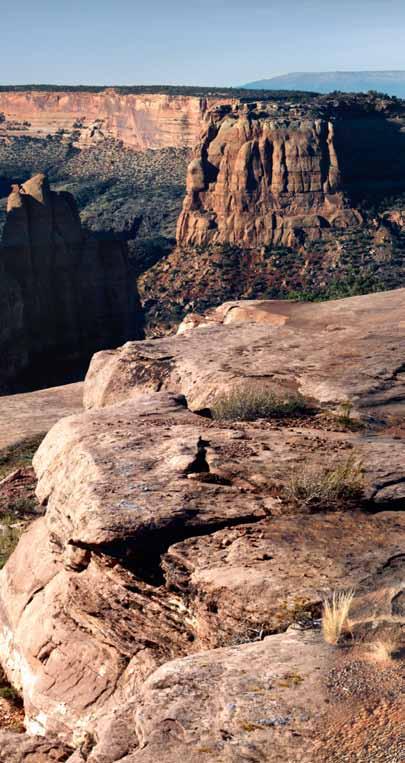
(62, 295)
(168, 603)
(162, 537)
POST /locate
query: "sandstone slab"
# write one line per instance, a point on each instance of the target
(162, 536)
(346, 350)
(168, 602)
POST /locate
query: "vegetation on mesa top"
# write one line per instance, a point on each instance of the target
(199, 92)
(240, 93)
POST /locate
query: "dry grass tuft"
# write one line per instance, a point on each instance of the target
(335, 615)
(323, 486)
(383, 650)
(252, 403)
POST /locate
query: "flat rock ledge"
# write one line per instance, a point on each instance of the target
(332, 352)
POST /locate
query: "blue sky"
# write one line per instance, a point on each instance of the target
(203, 42)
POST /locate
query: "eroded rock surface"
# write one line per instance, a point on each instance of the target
(255, 181)
(141, 121)
(260, 178)
(62, 295)
(16, 748)
(168, 602)
(32, 413)
(351, 349)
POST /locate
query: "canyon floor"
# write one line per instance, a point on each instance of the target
(166, 601)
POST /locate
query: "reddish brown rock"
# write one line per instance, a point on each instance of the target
(135, 616)
(19, 748)
(62, 295)
(247, 582)
(258, 179)
(135, 567)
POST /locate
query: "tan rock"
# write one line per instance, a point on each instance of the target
(251, 581)
(235, 704)
(32, 413)
(19, 748)
(124, 583)
(350, 349)
(141, 121)
(135, 615)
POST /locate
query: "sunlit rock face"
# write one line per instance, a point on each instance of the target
(259, 177)
(141, 121)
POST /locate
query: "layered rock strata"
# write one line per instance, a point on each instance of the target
(63, 295)
(259, 178)
(140, 121)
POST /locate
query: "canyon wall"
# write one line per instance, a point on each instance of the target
(139, 121)
(259, 177)
(62, 295)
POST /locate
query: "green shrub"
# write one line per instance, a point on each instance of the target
(7, 692)
(252, 403)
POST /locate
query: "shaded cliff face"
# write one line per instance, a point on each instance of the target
(62, 295)
(140, 121)
(260, 179)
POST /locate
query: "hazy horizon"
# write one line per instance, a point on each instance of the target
(206, 43)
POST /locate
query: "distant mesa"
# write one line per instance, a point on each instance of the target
(140, 120)
(390, 82)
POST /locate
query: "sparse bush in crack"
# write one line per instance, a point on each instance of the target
(325, 487)
(20, 454)
(253, 403)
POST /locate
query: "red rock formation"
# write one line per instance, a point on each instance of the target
(140, 121)
(257, 179)
(62, 294)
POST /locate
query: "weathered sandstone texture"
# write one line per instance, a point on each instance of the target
(62, 295)
(141, 562)
(259, 179)
(167, 604)
(351, 349)
(140, 121)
